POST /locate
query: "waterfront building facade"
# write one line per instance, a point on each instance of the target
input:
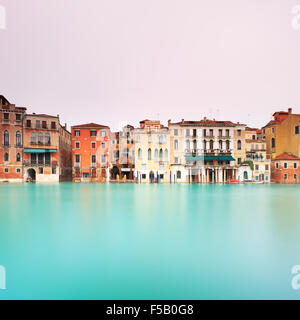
(91, 147)
(203, 151)
(152, 152)
(286, 169)
(256, 155)
(11, 147)
(283, 134)
(47, 149)
(122, 155)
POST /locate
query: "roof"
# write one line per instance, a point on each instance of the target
(41, 115)
(91, 125)
(206, 122)
(286, 156)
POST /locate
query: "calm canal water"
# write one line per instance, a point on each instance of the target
(117, 241)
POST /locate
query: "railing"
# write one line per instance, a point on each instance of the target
(5, 121)
(5, 145)
(18, 122)
(39, 143)
(18, 146)
(36, 164)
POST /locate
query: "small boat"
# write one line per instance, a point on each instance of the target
(233, 181)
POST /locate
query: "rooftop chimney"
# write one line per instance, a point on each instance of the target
(290, 110)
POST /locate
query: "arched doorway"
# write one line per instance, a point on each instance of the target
(245, 175)
(151, 176)
(114, 172)
(31, 175)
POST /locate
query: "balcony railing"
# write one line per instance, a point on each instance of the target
(18, 122)
(6, 145)
(33, 163)
(40, 143)
(5, 121)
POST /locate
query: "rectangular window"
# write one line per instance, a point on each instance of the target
(211, 132)
(103, 133)
(6, 116)
(103, 159)
(176, 159)
(93, 133)
(77, 158)
(239, 160)
(227, 132)
(77, 145)
(38, 124)
(175, 132)
(267, 167)
(6, 170)
(93, 160)
(53, 170)
(256, 167)
(204, 132)
(28, 123)
(220, 132)
(93, 145)
(144, 176)
(297, 130)
(41, 170)
(295, 177)
(239, 132)
(295, 165)
(18, 170)
(187, 132)
(77, 133)
(273, 130)
(18, 117)
(103, 145)
(285, 165)
(44, 124)
(285, 176)
(161, 176)
(40, 158)
(277, 165)
(33, 158)
(53, 125)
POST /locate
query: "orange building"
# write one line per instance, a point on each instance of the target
(11, 147)
(90, 152)
(47, 149)
(285, 169)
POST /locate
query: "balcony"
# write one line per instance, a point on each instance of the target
(36, 163)
(224, 137)
(5, 121)
(39, 143)
(18, 146)
(18, 122)
(6, 145)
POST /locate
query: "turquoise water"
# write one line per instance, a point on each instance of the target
(118, 241)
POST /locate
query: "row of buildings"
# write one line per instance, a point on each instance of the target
(36, 147)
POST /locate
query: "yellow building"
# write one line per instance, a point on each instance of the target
(257, 154)
(152, 152)
(283, 134)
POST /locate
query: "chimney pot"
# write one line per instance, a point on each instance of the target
(290, 110)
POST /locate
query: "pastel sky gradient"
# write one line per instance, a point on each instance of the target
(119, 61)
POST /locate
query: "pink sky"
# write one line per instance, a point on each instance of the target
(118, 61)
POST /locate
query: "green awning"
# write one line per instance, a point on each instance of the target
(209, 158)
(196, 158)
(39, 150)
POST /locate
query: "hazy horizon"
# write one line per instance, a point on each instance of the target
(118, 62)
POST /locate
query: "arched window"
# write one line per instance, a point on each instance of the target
(176, 144)
(156, 155)
(140, 155)
(6, 158)
(6, 138)
(227, 144)
(204, 144)
(18, 139)
(47, 138)
(239, 145)
(161, 155)
(245, 175)
(187, 143)
(211, 144)
(221, 145)
(149, 154)
(18, 157)
(195, 144)
(40, 138)
(150, 139)
(273, 143)
(178, 174)
(166, 155)
(33, 138)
